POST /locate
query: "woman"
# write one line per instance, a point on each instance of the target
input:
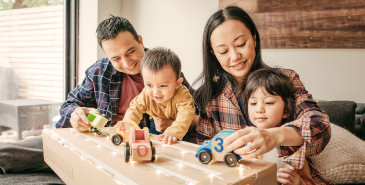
(231, 50)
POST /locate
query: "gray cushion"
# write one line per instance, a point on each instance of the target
(341, 113)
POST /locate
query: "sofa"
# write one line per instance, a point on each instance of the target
(343, 159)
(346, 114)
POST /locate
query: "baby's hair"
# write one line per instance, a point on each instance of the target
(275, 83)
(157, 58)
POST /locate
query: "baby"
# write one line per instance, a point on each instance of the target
(163, 95)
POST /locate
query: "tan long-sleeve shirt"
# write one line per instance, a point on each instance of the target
(180, 108)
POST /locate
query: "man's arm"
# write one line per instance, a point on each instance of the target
(82, 96)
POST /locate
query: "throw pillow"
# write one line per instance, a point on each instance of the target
(341, 113)
(343, 159)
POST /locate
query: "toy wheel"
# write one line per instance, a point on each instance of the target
(127, 154)
(97, 132)
(153, 154)
(151, 143)
(117, 139)
(127, 144)
(230, 159)
(205, 156)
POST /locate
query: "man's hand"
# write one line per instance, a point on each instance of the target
(167, 138)
(162, 124)
(79, 119)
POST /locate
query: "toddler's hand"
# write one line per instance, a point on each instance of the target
(167, 138)
(288, 176)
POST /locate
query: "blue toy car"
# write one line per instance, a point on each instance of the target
(214, 150)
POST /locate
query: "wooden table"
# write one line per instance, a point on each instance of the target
(87, 158)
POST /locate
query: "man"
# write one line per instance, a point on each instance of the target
(109, 86)
(111, 83)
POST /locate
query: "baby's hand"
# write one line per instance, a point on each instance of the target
(167, 138)
(288, 176)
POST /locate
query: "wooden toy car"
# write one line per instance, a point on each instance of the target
(139, 147)
(97, 122)
(120, 132)
(214, 150)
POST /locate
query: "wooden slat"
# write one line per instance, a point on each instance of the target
(307, 24)
(39, 60)
(29, 38)
(43, 77)
(17, 33)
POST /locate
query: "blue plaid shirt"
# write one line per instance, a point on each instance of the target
(100, 89)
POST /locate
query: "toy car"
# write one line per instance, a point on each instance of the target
(97, 122)
(120, 132)
(139, 147)
(214, 150)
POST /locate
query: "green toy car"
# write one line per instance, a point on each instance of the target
(97, 122)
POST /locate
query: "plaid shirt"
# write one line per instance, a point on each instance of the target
(312, 123)
(100, 89)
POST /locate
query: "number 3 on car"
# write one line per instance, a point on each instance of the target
(214, 150)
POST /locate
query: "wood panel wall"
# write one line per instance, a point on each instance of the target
(31, 41)
(307, 23)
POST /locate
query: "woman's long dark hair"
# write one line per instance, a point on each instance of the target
(211, 67)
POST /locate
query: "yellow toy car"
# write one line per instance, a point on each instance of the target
(120, 132)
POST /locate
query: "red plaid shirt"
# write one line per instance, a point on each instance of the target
(312, 123)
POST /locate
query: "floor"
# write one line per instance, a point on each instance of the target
(9, 135)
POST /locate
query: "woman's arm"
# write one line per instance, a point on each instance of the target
(312, 124)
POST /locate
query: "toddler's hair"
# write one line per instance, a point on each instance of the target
(275, 83)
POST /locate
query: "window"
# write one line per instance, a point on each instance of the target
(32, 49)
(32, 67)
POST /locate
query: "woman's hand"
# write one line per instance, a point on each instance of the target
(288, 177)
(162, 124)
(261, 141)
(79, 119)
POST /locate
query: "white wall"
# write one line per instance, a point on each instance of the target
(328, 74)
(91, 13)
(175, 24)
(87, 38)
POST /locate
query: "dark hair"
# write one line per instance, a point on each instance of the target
(109, 28)
(210, 89)
(157, 58)
(275, 83)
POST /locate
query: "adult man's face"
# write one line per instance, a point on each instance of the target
(124, 52)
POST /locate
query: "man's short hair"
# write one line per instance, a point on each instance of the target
(157, 58)
(109, 28)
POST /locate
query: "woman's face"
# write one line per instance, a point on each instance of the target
(234, 47)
